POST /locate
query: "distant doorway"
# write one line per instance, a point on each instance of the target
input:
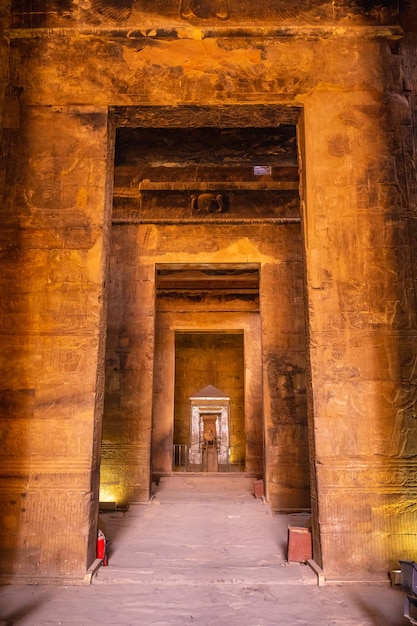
(210, 447)
(209, 422)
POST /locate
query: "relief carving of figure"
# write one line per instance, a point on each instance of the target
(209, 438)
(205, 9)
(207, 203)
(403, 442)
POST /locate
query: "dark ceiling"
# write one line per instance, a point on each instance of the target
(38, 13)
(212, 280)
(203, 145)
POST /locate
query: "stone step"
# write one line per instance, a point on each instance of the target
(205, 487)
(200, 530)
(281, 574)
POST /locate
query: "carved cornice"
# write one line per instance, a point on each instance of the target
(305, 32)
(202, 19)
(96, 12)
(191, 9)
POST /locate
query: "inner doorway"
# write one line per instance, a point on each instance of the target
(209, 431)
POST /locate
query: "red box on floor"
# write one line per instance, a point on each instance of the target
(299, 544)
(258, 488)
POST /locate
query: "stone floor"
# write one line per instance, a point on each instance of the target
(204, 551)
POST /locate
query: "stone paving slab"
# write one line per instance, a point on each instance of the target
(217, 604)
(201, 530)
(195, 560)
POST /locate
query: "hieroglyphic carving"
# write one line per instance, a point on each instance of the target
(394, 475)
(403, 442)
(404, 433)
(208, 203)
(52, 12)
(205, 9)
(68, 507)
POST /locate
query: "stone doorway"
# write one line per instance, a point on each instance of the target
(219, 347)
(210, 449)
(179, 267)
(201, 356)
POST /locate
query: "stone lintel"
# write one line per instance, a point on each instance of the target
(304, 32)
(236, 115)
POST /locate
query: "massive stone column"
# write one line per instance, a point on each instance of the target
(125, 469)
(362, 327)
(53, 252)
(283, 360)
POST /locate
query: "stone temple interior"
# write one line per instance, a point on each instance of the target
(208, 264)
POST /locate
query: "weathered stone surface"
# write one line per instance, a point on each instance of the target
(125, 473)
(361, 408)
(349, 83)
(135, 12)
(124, 407)
(52, 319)
(190, 71)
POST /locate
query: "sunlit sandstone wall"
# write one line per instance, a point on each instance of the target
(362, 328)
(283, 361)
(358, 221)
(125, 462)
(53, 253)
(131, 338)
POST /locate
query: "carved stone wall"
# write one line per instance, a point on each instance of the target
(125, 459)
(53, 330)
(132, 313)
(362, 323)
(284, 363)
(53, 13)
(355, 91)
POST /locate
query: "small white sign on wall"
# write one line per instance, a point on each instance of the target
(262, 170)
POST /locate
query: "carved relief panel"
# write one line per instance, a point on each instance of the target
(51, 13)
(205, 9)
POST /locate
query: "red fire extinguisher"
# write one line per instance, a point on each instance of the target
(101, 547)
